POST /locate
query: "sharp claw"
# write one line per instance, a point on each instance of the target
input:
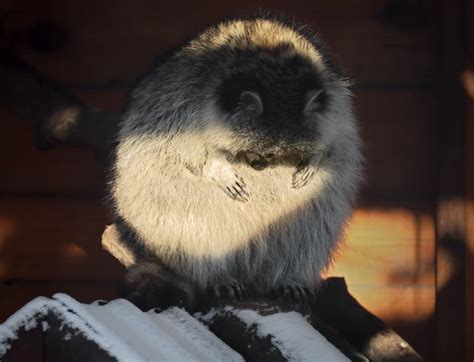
(301, 177)
(232, 193)
(240, 179)
(242, 189)
(293, 293)
(242, 194)
(304, 296)
(230, 292)
(298, 294)
(236, 192)
(239, 293)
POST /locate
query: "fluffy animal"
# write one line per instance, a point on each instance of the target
(237, 163)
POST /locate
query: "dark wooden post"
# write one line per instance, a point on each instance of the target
(469, 85)
(450, 228)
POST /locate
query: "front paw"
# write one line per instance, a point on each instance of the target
(228, 292)
(228, 180)
(235, 189)
(293, 293)
(302, 175)
(305, 171)
(149, 285)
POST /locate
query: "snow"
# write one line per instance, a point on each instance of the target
(296, 339)
(123, 331)
(204, 343)
(167, 336)
(95, 330)
(128, 334)
(25, 318)
(44, 326)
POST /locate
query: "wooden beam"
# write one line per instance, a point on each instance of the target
(469, 86)
(451, 238)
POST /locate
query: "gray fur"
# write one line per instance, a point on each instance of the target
(183, 177)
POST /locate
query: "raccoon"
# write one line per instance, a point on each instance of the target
(237, 164)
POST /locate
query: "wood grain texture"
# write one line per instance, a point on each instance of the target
(388, 258)
(388, 265)
(388, 247)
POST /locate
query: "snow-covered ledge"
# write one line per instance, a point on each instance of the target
(122, 332)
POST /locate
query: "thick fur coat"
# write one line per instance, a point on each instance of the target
(238, 160)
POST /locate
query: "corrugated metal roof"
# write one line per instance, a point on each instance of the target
(126, 333)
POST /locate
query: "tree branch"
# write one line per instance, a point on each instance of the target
(60, 118)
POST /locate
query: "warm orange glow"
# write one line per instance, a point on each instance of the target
(470, 225)
(468, 80)
(388, 262)
(391, 225)
(446, 267)
(74, 252)
(7, 228)
(410, 303)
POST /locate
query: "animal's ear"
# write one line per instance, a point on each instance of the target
(311, 99)
(253, 101)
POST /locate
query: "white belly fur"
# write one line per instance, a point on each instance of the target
(175, 210)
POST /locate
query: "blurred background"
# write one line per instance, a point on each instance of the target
(408, 256)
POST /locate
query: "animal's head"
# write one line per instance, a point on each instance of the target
(278, 92)
(255, 87)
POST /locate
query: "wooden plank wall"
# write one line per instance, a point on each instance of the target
(51, 215)
(451, 250)
(469, 86)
